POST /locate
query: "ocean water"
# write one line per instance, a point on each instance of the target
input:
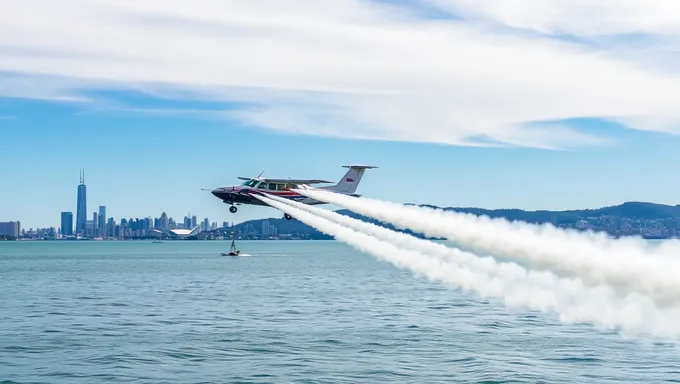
(292, 312)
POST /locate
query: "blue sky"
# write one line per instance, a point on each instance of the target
(141, 164)
(547, 104)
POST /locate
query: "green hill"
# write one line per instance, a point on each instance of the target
(638, 210)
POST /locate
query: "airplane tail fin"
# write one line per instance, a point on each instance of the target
(350, 182)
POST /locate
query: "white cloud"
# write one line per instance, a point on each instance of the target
(574, 17)
(343, 68)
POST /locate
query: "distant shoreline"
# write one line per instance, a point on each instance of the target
(21, 240)
(648, 221)
(222, 240)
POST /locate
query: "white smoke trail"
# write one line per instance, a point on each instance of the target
(487, 265)
(396, 238)
(509, 271)
(624, 265)
(573, 301)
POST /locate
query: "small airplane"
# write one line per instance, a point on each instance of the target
(242, 194)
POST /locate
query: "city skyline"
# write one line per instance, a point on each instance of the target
(458, 105)
(104, 226)
(649, 220)
(99, 215)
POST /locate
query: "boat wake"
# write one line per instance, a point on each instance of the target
(239, 255)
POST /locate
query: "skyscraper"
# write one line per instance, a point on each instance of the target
(67, 223)
(111, 228)
(94, 231)
(102, 220)
(165, 224)
(10, 228)
(81, 211)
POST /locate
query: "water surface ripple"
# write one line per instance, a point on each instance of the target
(298, 312)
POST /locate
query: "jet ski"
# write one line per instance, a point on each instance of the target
(232, 251)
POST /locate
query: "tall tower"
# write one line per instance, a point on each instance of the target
(81, 211)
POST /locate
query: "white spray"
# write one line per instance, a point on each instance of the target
(570, 298)
(625, 265)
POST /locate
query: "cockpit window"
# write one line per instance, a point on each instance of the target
(249, 183)
(272, 186)
(262, 186)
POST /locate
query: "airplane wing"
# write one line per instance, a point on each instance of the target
(295, 181)
(286, 180)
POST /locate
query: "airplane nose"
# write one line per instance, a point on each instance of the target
(223, 192)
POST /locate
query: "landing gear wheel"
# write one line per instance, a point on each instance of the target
(287, 216)
(233, 209)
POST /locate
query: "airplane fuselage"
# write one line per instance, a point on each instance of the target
(237, 194)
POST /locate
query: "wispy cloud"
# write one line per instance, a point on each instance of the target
(573, 17)
(354, 68)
